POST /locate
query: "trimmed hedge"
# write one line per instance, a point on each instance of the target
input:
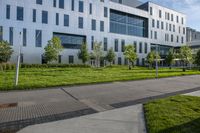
(53, 65)
(7, 66)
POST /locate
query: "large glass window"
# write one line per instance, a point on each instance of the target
(8, 11)
(1, 33)
(11, 35)
(20, 13)
(34, 15)
(38, 38)
(24, 37)
(44, 17)
(123, 23)
(81, 6)
(71, 59)
(71, 41)
(80, 22)
(61, 4)
(66, 20)
(162, 49)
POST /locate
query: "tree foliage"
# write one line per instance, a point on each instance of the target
(110, 56)
(83, 53)
(170, 58)
(5, 51)
(151, 57)
(197, 58)
(97, 53)
(130, 55)
(185, 55)
(53, 49)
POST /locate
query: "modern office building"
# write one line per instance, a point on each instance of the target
(115, 23)
(193, 39)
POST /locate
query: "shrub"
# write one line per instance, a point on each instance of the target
(53, 65)
(7, 66)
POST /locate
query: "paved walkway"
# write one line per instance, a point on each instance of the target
(39, 106)
(123, 120)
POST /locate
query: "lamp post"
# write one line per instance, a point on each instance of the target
(18, 60)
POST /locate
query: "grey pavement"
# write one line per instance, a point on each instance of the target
(123, 120)
(38, 106)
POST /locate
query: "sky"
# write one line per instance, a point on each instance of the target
(190, 7)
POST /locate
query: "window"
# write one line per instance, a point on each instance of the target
(153, 23)
(57, 19)
(61, 4)
(182, 40)
(116, 45)
(172, 17)
(71, 41)
(166, 26)
(155, 35)
(1, 33)
(162, 25)
(11, 35)
(158, 24)
(119, 60)
(24, 37)
(8, 11)
(81, 6)
(105, 12)
(182, 21)
(54, 3)
(72, 5)
(160, 13)
(80, 22)
(120, 1)
(92, 42)
(151, 11)
(151, 34)
(184, 31)
(177, 39)
(90, 8)
(38, 38)
(135, 46)
(123, 45)
(93, 24)
(21, 58)
(102, 26)
(105, 44)
(145, 48)
(128, 24)
(174, 28)
(170, 27)
(172, 38)
(44, 17)
(59, 59)
(66, 20)
(71, 59)
(140, 47)
(34, 15)
(39, 2)
(177, 19)
(20, 13)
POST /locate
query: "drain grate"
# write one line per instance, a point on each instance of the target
(8, 105)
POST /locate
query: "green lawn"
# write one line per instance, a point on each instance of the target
(30, 78)
(178, 114)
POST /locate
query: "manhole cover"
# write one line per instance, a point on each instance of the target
(8, 105)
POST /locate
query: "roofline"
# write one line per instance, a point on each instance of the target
(165, 7)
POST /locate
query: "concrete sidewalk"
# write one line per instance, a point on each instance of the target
(40, 106)
(124, 120)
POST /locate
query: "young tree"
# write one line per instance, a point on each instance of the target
(130, 55)
(83, 53)
(5, 51)
(197, 59)
(97, 53)
(186, 56)
(170, 58)
(151, 57)
(53, 49)
(110, 56)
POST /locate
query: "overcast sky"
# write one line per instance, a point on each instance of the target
(190, 7)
